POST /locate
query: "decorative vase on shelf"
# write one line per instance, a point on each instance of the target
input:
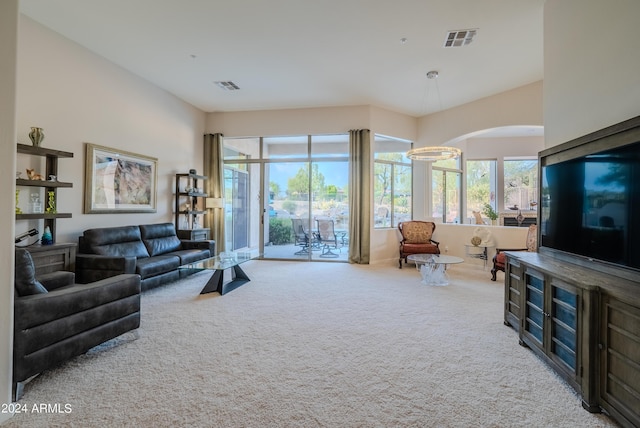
(47, 238)
(18, 210)
(51, 203)
(36, 135)
(35, 204)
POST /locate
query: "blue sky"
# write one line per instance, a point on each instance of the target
(336, 173)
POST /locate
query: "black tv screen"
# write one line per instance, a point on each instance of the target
(590, 206)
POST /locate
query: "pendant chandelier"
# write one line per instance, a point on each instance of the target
(434, 153)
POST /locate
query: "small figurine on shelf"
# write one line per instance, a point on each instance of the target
(51, 204)
(47, 238)
(33, 175)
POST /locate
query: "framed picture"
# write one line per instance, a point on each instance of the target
(119, 182)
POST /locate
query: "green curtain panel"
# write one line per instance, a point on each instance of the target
(214, 186)
(359, 195)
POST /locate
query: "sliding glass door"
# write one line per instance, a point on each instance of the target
(279, 193)
(329, 187)
(287, 228)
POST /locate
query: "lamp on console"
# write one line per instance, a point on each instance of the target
(214, 203)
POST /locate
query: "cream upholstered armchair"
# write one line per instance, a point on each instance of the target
(500, 259)
(416, 239)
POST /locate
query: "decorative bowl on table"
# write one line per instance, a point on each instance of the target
(227, 257)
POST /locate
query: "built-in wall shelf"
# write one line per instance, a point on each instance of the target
(50, 185)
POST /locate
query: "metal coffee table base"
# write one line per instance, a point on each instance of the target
(216, 282)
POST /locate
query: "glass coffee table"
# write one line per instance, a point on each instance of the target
(433, 267)
(219, 264)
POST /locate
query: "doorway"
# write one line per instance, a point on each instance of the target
(281, 192)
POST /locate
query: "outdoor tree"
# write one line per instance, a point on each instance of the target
(274, 188)
(382, 183)
(331, 191)
(478, 184)
(298, 185)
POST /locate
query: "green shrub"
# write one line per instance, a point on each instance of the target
(280, 231)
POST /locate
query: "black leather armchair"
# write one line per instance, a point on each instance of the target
(56, 319)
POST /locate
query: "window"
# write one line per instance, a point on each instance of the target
(302, 177)
(446, 192)
(520, 183)
(392, 182)
(481, 186)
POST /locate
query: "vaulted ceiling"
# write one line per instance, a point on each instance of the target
(302, 53)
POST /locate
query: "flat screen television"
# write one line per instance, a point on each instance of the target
(590, 197)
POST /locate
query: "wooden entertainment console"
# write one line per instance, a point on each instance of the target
(584, 323)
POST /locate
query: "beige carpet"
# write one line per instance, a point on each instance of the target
(313, 345)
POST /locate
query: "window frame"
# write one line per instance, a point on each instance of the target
(394, 165)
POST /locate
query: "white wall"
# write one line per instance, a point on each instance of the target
(519, 106)
(265, 123)
(8, 53)
(77, 97)
(591, 64)
(316, 121)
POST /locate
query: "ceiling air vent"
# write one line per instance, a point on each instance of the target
(228, 85)
(458, 38)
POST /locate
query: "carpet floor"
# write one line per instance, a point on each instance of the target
(312, 345)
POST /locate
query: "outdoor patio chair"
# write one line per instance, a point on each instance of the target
(301, 237)
(327, 238)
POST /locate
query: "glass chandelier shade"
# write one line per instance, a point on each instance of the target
(433, 153)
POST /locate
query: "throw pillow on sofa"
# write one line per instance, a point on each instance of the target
(25, 280)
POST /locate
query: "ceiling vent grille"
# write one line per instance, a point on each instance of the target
(459, 38)
(228, 85)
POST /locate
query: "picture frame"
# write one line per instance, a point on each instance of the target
(117, 181)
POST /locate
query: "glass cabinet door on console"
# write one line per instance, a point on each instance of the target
(534, 318)
(513, 294)
(551, 321)
(563, 332)
(551, 327)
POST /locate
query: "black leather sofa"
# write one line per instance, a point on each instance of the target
(56, 319)
(152, 251)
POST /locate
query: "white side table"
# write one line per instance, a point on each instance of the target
(478, 252)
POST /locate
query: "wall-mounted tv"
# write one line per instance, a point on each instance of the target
(590, 196)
